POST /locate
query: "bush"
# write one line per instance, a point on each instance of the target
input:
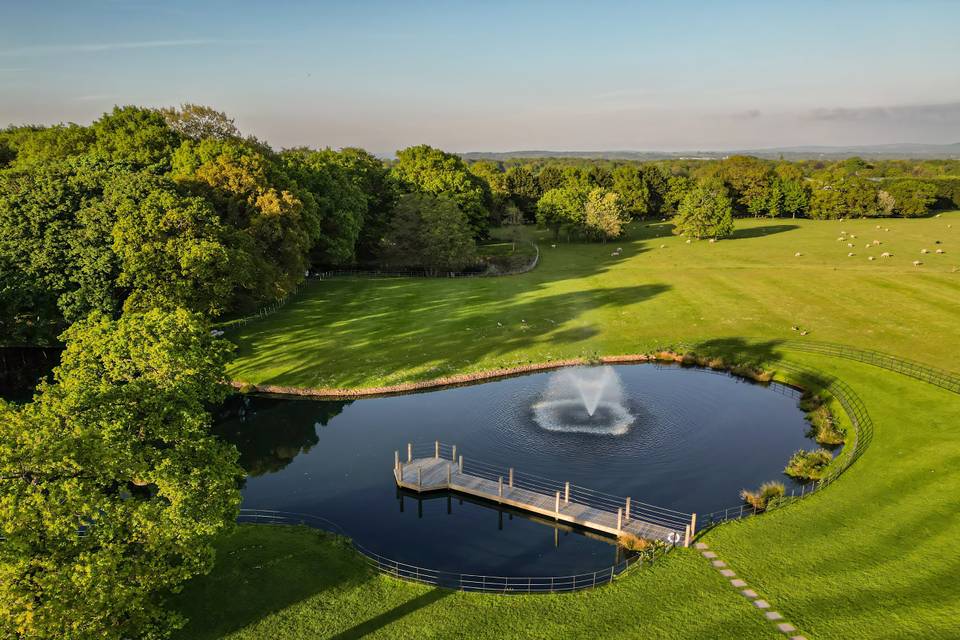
(823, 427)
(808, 465)
(760, 498)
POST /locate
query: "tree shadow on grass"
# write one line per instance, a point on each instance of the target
(761, 232)
(402, 610)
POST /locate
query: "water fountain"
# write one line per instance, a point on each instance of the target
(583, 400)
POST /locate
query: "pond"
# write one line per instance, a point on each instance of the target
(682, 438)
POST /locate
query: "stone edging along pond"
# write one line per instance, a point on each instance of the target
(493, 374)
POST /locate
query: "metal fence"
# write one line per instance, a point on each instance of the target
(939, 377)
(454, 580)
(570, 492)
(861, 434)
(268, 310)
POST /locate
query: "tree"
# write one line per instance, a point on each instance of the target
(563, 207)
(605, 214)
(911, 198)
(113, 488)
(550, 177)
(631, 183)
(430, 232)
(523, 188)
(197, 122)
(705, 212)
(423, 169)
(135, 137)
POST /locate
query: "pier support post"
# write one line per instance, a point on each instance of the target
(454, 456)
(500, 487)
(436, 448)
(409, 452)
(619, 519)
(460, 470)
(449, 473)
(511, 477)
(557, 505)
(626, 512)
(396, 460)
(566, 493)
(419, 476)
(693, 524)
(686, 536)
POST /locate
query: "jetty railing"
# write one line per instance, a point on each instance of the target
(455, 580)
(568, 491)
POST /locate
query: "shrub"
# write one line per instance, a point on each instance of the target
(808, 465)
(631, 542)
(760, 498)
(823, 427)
(809, 401)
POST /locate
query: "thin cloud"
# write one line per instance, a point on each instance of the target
(54, 49)
(935, 113)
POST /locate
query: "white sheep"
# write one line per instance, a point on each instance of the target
(870, 258)
(917, 263)
(663, 246)
(939, 250)
(924, 250)
(797, 254)
(850, 255)
(885, 254)
(850, 244)
(876, 242)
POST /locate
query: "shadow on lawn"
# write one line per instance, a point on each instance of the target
(761, 232)
(410, 606)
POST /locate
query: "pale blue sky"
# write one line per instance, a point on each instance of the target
(500, 76)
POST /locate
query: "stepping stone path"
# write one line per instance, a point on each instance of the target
(741, 584)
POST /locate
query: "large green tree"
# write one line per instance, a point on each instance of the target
(705, 212)
(111, 487)
(423, 169)
(429, 232)
(562, 208)
(605, 215)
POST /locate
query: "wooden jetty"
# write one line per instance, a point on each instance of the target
(611, 515)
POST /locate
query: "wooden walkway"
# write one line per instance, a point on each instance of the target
(439, 474)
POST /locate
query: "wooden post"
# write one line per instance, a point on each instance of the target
(436, 448)
(557, 506)
(693, 524)
(454, 457)
(511, 477)
(449, 473)
(686, 536)
(419, 472)
(461, 464)
(500, 487)
(400, 471)
(619, 519)
(409, 452)
(396, 459)
(627, 512)
(566, 493)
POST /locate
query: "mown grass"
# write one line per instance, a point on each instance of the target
(582, 301)
(875, 555)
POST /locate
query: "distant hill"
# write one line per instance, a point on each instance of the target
(812, 152)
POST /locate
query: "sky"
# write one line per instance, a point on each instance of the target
(498, 76)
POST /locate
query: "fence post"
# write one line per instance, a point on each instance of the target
(409, 452)
(693, 524)
(500, 487)
(511, 477)
(400, 472)
(619, 519)
(454, 456)
(566, 493)
(556, 507)
(419, 477)
(396, 459)
(461, 464)
(686, 536)
(436, 448)
(627, 511)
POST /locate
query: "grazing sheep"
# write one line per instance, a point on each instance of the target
(878, 226)
(797, 254)
(939, 250)
(924, 250)
(850, 255)
(853, 236)
(850, 244)
(870, 258)
(689, 241)
(917, 263)
(885, 254)
(803, 333)
(877, 242)
(712, 240)
(614, 254)
(841, 239)
(663, 246)
(867, 246)
(553, 246)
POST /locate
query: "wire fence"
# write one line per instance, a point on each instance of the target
(480, 271)
(263, 312)
(455, 580)
(568, 491)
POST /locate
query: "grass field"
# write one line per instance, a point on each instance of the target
(875, 555)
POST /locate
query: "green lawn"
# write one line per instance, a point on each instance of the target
(582, 301)
(875, 555)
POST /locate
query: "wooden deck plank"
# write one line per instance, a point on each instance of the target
(430, 474)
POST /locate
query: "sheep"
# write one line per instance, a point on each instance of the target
(870, 258)
(886, 254)
(867, 246)
(877, 242)
(878, 226)
(850, 244)
(841, 239)
(850, 255)
(797, 254)
(853, 236)
(939, 250)
(689, 241)
(917, 263)
(924, 250)
(663, 246)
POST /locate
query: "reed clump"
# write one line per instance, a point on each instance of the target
(761, 498)
(808, 465)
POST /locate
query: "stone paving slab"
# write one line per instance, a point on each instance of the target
(761, 604)
(799, 638)
(710, 555)
(773, 615)
(719, 563)
(750, 593)
(737, 582)
(701, 545)
(786, 627)
(728, 573)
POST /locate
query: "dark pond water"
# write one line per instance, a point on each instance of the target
(682, 438)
